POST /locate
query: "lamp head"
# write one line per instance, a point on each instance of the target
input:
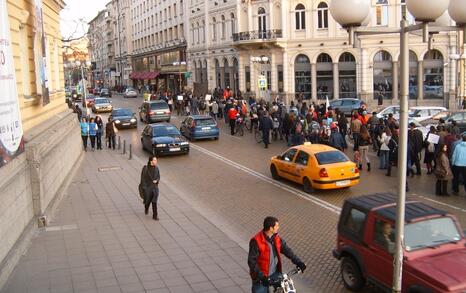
(78, 63)
(427, 10)
(350, 12)
(457, 11)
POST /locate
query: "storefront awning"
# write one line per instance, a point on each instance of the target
(144, 75)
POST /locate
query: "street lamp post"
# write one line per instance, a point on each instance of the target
(179, 64)
(83, 81)
(260, 60)
(351, 14)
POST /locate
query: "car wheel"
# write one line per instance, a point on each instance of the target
(154, 151)
(307, 186)
(351, 274)
(273, 171)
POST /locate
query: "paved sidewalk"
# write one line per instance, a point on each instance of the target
(101, 241)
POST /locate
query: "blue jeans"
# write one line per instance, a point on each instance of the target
(384, 156)
(259, 288)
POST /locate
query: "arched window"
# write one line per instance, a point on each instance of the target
(324, 76)
(232, 22)
(224, 27)
(433, 75)
(322, 15)
(381, 12)
(262, 22)
(347, 75)
(383, 75)
(302, 76)
(214, 29)
(300, 15)
(198, 33)
(194, 33)
(226, 74)
(203, 31)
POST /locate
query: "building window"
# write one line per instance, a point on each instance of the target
(324, 76)
(322, 15)
(232, 22)
(223, 27)
(302, 76)
(347, 75)
(381, 12)
(383, 75)
(405, 13)
(433, 75)
(300, 15)
(214, 29)
(262, 23)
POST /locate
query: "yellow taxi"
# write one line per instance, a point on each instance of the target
(315, 166)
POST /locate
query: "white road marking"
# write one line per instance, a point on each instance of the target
(308, 197)
(443, 204)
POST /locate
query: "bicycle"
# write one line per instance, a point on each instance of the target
(284, 283)
(257, 133)
(239, 126)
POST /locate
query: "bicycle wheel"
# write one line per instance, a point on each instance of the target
(258, 136)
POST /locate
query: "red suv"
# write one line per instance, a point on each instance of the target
(434, 246)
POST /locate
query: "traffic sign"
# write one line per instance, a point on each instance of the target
(262, 82)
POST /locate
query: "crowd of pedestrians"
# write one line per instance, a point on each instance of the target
(92, 128)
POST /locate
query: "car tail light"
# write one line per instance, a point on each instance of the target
(167, 112)
(151, 112)
(356, 170)
(323, 173)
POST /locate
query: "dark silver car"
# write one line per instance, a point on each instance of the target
(346, 105)
(154, 111)
(102, 105)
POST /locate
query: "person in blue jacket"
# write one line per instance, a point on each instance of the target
(84, 132)
(92, 132)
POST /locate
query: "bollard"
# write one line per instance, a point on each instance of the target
(130, 152)
(124, 146)
(119, 142)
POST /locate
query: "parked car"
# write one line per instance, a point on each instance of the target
(346, 105)
(105, 93)
(124, 118)
(434, 256)
(434, 120)
(130, 93)
(199, 126)
(154, 111)
(315, 166)
(459, 117)
(102, 105)
(384, 112)
(163, 139)
(422, 113)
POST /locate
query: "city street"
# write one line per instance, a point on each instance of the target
(228, 181)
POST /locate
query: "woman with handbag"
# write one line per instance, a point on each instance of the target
(442, 171)
(150, 178)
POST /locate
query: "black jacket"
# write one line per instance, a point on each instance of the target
(416, 140)
(150, 173)
(254, 254)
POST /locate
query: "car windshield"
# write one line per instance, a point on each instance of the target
(104, 91)
(430, 233)
(130, 89)
(331, 157)
(101, 101)
(165, 131)
(158, 106)
(122, 112)
(205, 122)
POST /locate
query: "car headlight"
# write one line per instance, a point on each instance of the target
(117, 121)
(184, 143)
(133, 120)
(161, 145)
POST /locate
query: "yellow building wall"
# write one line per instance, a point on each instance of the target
(21, 18)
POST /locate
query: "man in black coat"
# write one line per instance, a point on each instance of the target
(150, 178)
(416, 140)
(265, 125)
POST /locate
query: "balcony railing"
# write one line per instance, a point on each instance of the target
(257, 35)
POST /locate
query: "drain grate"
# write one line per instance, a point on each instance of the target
(61, 228)
(107, 169)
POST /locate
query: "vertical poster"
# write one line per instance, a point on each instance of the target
(40, 53)
(11, 130)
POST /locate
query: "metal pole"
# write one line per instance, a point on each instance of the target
(124, 146)
(402, 159)
(130, 152)
(84, 90)
(119, 142)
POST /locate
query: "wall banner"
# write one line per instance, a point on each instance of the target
(40, 53)
(11, 130)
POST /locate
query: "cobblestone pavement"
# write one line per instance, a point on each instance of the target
(100, 241)
(228, 181)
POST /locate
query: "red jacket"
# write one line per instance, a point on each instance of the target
(232, 113)
(263, 260)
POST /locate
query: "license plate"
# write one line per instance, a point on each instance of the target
(125, 124)
(343, 183)
(160, 112)
(175, 149)
(206, 128)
